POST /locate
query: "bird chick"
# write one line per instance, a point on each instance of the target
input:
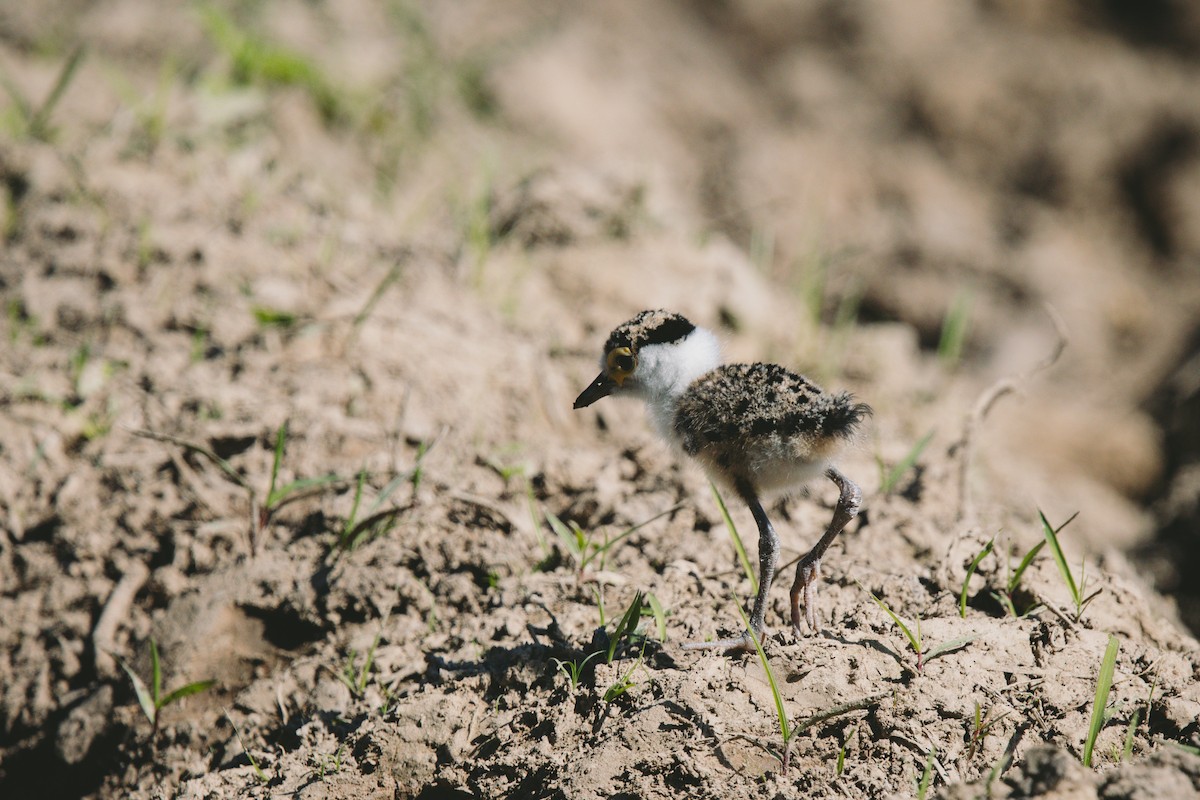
(755, 428)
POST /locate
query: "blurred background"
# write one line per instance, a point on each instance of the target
(949, 166)
(203, 204)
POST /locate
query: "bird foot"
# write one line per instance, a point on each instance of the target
(741, 644)
(808, 575)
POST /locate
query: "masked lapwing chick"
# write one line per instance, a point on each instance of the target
(755, 428)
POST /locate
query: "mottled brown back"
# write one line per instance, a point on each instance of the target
(740, 414)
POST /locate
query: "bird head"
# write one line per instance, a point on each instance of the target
(655, 353)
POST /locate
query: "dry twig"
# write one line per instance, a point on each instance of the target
(988, 399)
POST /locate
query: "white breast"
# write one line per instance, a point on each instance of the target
(666, 370)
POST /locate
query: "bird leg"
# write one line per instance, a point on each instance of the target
(808, 571)
(768, 563)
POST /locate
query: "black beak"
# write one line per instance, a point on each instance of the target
(603, 386)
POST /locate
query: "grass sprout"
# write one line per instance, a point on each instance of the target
(785, 729)
(394, 273)
(150, 112)
(254, 60)
(324, 763)
(1127, 749)
(658, 614)
(962, 596)
(1104, 681)
(376, 522)
(274, 317)
(1006, 595)
(574, 669)
(151, 698)
(811, 277)
(262, 776)
(624, 683)
(737, 539)
(915, 640)
(598, 592)
(979, 730)
(478, 236)
(1002, 763)
(1078, 589)
(889, 479)
(626, 626)
(356, 677)
(582, 546)
(418, 471)
(841, 757)
(954, 330)
(278, 494)
(927, 775)
(33, 122)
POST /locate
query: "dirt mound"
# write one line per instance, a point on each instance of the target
(297, 300)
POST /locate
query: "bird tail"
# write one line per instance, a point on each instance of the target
(844, 416)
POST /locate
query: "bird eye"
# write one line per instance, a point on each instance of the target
(621, 362)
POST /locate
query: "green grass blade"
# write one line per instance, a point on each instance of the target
(660, 616)
(1127, 750)
(1006, 602)
(418, 470)
(620, 686)
(926, 776)
(24, 109)
(737, 539)
(784, 727)
(280, 439)
(598, 591)
(262, 776)
(278, 496)
(39, 125)
(1103, 683)
(155, 674)
(1059, 557)
(388, 490)
(353, 516)
(565, 534)
(394, 274)
(962, 597)
(273, 317)
(368, 662)
(915, 641)
(1015, 580)
(954, 330)
(186, 691)
(893, 477)
(841, 758)
(949, 647)
(569, 669)
(1002, 763)
(143, 694)
(608, 545)
(221, 463)
(627, 624)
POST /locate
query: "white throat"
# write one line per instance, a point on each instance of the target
(665, 371)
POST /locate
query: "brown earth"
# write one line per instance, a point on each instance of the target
(404, 231)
